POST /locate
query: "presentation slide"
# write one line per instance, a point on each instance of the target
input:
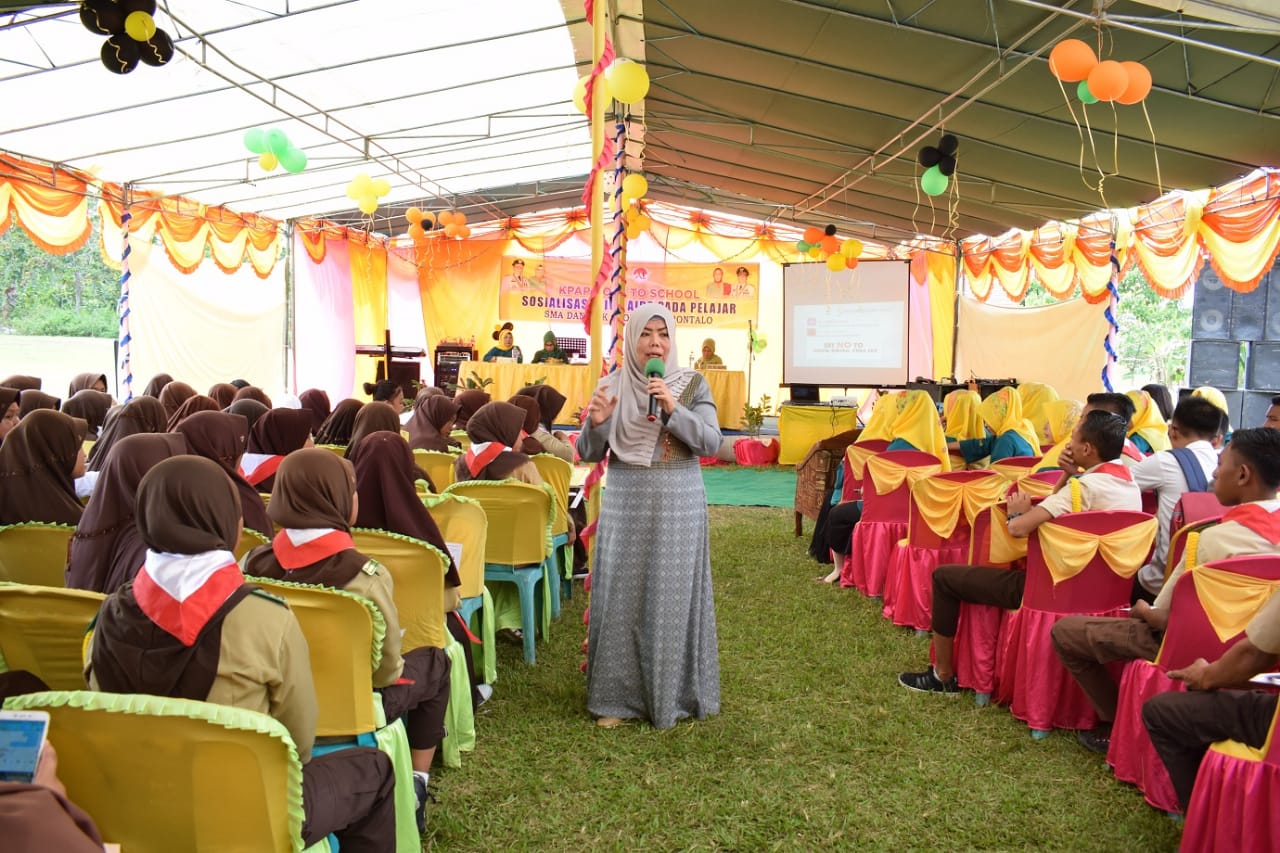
(847, 328)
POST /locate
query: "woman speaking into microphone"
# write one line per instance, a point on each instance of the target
(651, 652)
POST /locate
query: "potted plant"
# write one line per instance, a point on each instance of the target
(753, 451)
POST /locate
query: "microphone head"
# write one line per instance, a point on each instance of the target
(655, 367)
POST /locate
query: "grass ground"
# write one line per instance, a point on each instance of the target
(816, 746)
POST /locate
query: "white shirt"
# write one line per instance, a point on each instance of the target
(1098, 491)
(1161, 473)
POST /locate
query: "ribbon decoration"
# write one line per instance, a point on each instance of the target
(122, 309)
(1111, 342)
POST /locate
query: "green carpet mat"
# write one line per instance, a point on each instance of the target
(734, 485)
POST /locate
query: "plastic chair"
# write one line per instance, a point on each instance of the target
(1014, 468)
(1191, 634)
(159, 774)
(417, 571)
(518, 546)
(1043, 694)
(885, 499)
(249, 539)
(42, 630)
(339, 450)
(439, 467)
(556, 473)
(1233, 805)
(935, 540)
(465, 528)
(35, 553)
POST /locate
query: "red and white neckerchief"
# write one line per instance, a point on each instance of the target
(1257, 518)
(180, 592)
(257, 467)
(1115, 469)
(297, 549)
(1131, 450)
(478, 456)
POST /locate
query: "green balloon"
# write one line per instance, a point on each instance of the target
(1083, 93)
(255, 140)
(278, 142)
(294, 160)
(933, 182)
(802, 246)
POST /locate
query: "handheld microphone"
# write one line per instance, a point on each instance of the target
(654, 367)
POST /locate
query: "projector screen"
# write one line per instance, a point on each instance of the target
(845, 328)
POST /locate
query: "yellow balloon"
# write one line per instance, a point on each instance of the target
(634, 231)
(140, 26)
(814, 251)
(628, 80)
(836, 262)
(381, 187)
(635, 185)
(580, 92)
(851, 249)
(267, 161)
(368, 205)
(643, 222)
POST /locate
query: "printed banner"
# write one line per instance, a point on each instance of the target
(556, 290)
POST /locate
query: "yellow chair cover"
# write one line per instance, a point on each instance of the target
(439, 467)
(1230, 600)
(1148, 422)
(1035, 488)
(858, 456)
(35, 553)
(463, 525)
(888, 475)
(939, 501)
(964, 422)
(339, 450)
(417, 572)
(42, 630)
(556, 473)
(1002, 412)
(249, 539)
(1005, 547)
(1067, 552)
(1012, 473)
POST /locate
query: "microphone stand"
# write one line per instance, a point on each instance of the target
(751, 356)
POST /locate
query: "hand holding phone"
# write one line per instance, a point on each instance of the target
(22, 736)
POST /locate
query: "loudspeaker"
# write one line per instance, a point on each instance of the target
(1254, 411)
(1263, 369)
(1211, 308)
(1215, 363)
(1271, 284)
(936, 390)
(1234, 400)
(1249, 314)
(404, 373)
(804, 395)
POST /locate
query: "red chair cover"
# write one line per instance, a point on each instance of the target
(883, 524)
(978, 629)
(1042, 693)
(851, 490)
(754, 451)
(1233, 806)
(1190, 635)
(1014, 468)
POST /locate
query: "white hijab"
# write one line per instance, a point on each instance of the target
(632, 437)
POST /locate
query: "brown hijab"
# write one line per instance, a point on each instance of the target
(252, 392)
(317, 402)
(499, 423)
(198, 403)
(313, 489)
(337, 428)
(373, 417)
(388, 500)
(173, 395)
(532, 413)
(31, 400)
(36, 461)
(156, 385)
(250, 410)
(21, 382)
(107, 549)
(85, 382)
(430, 415)
(141, 414)
(550, 403)
(224, 393)
(280, 432)
(8, 396)
(469, 402)
(223, 438)
(186, 505)
(91, 407)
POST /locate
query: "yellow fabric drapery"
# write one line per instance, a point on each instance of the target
(888, 475)
(858, 456)
(1035, 488)
(940, 263)
(1230, 600)
(940, 501)
(1005, 547)
(459, 281)
(1067, 551)
(368, 262)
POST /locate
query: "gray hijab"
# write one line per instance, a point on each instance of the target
(632, 437)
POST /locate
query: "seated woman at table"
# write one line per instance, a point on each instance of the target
(709, 360)
(1010, 433)
(550, 352)
(505, 348)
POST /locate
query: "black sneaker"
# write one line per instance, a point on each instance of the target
(422, 795)
(928, 682)
(1095, 740)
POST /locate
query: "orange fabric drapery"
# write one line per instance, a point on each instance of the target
(52, 204)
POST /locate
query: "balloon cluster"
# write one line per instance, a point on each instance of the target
(758, 342)
(840, 254)
(452, 222)
(939, 164)
(634, 188)
(274, 149)
(365, 192)
(625, 80)
(1073, 61)
(131, 31)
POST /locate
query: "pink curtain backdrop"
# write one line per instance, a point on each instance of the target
(920, 333)
(324, 328)
(404, 308)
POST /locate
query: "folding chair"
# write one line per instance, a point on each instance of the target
(465, 528)
(557, 473)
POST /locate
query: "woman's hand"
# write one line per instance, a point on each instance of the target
(601, 407)
(659, 390)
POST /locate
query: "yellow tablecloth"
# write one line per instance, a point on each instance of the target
(728, 387)
(800, 427)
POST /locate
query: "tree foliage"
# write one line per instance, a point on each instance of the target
(70, 295)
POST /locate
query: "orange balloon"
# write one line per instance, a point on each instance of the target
(1071, 60)
(830, 244)
(416, 232)
(414, 215)
(1139, 83)
(464, 231)
(445, 219)
(812, 235)
(450, 230)
(1108, 80)
(459, 218)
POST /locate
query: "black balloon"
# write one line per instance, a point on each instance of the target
(830, 231)
(948, 144)
(120, 54)
(130, 6)
(103, 17)
(928, 156)
(157, 50)
(947, 165)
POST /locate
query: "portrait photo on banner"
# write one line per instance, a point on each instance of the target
(556, 290)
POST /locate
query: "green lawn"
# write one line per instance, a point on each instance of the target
(816, 746)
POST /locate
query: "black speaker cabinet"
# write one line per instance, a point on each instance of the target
(1263, 370)
(1271, 284)
(1254, 411)
(1234, 399)
(1215, 363)
(1249, 314)
(1211, 308)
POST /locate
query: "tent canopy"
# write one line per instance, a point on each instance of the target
(810, 110)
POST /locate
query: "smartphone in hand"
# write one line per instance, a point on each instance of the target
(22, 735)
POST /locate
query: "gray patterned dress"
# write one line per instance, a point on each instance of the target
(651, 650)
